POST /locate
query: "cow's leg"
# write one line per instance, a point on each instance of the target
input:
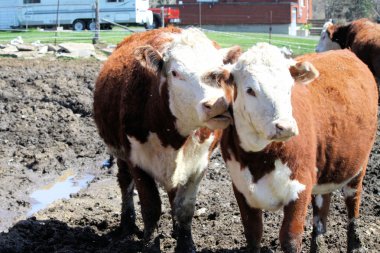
(128, 216)
(182, 200)
(150, 207)
(252, 220)
(352, 193)
(293, 224)
(321, 205)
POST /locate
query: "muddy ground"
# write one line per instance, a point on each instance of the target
(47, 135)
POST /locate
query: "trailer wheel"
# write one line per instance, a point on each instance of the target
(79, 25)
(157, 22)
(91, 25)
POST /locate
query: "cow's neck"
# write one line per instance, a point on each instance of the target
(160, 120)
(259, 162)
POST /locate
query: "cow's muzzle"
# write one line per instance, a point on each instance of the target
(284, 130)
(215, 113)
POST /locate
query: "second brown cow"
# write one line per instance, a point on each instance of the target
(296, 139)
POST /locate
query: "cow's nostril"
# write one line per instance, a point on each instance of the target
(207, 105)
(279, 127)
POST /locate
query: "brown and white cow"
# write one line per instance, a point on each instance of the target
(152, 106)
(361, 36)
(293, 142)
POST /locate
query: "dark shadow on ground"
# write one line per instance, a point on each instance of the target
(32, 236)
(48, 236)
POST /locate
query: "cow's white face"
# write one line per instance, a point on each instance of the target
(262, 105)
(325, 42)
(192, 101)
(195, 101)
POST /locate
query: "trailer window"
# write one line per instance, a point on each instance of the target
(111, 1)
(32, 1)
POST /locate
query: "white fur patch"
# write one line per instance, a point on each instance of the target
(168, 166)
(319, 201)
(348, 191)
(317, 222)
(330, 187)
(270, 192)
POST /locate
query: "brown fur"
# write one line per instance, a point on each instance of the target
(337, 120)
(363, 38)
(122, 81)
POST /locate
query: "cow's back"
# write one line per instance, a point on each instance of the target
(123, 81)
(363, 39)
(344, 103)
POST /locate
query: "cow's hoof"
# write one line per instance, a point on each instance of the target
(318, 245)
(354, 242)
(152, 246)
(185, 247)
(256, 250)
(129, 230)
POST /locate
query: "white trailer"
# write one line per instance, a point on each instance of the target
(8, 14)
(79, 14)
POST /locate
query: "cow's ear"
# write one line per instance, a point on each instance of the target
(149, 58)
(223, 78)
(220, 76)
(231, 54)
(303, 72)
(330, 30)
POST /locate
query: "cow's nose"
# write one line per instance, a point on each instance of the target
(214, 106)
(284, 130)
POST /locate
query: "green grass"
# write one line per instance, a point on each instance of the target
(110, 37)
(246, 40)
(114, 36)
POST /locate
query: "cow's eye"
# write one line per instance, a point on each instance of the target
(251, 92)
(174, 73)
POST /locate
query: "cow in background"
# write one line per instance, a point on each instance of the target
(154, 109)
(296, 138)
(361, 36)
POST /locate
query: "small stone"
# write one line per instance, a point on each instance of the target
(200, 212)
(23, 47)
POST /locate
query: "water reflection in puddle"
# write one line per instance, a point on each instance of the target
(60, 189)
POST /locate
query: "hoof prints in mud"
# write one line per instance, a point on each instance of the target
(46, 128)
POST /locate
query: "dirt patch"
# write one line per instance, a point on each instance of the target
(46, 129)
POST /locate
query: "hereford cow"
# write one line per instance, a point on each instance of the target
(361, 36)
(151, 103)
(293, 142)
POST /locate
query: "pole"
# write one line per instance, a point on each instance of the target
(95, 40)
(162, 16)
(200, 13)
(270, 27)
(57, 24)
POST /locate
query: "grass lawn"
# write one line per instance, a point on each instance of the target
(225, 39)
(246, 40)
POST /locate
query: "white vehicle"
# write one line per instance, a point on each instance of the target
(80, 15)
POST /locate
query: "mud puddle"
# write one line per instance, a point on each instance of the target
(65, 185)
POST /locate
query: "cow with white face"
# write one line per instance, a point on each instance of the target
(325, 41)
(288, 144)
(262, 107)
(154, 109)
(360, 36)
